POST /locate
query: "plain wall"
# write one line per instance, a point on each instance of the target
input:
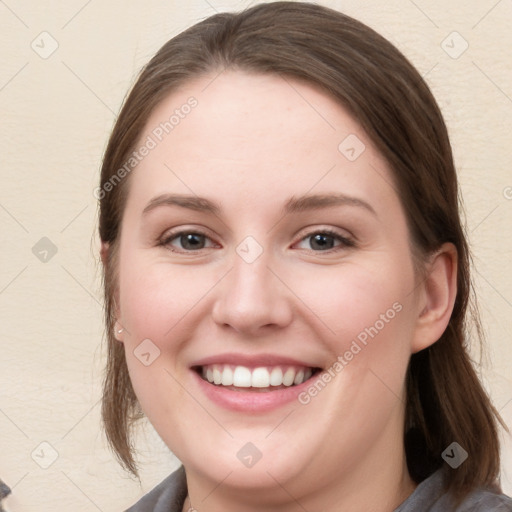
(56, 114)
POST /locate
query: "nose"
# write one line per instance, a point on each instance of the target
(252, 298)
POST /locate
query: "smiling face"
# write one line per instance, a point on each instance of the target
(265, 251)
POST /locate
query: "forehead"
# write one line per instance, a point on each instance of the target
(250, 108)
(246, 134)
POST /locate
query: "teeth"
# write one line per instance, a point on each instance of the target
(261, 377)
(242, 377)
(217, 375)
(276, 376)
(289, 377)
(227, 376)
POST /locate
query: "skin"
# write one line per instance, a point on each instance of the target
(252, 142)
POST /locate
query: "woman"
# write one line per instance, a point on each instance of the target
(286, 276)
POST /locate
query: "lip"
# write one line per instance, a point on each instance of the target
(250, 401)
(252, 361)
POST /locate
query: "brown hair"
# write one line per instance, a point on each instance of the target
(378, 85)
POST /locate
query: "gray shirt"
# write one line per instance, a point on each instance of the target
(429, 496)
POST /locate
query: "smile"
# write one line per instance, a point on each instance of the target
(252, 383)
(268, 378)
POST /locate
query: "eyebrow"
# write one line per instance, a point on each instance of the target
(293, 205)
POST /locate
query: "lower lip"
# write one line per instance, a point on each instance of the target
(250, 401)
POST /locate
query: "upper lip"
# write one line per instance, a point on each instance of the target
(252, 361)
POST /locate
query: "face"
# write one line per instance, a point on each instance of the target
(264, 248)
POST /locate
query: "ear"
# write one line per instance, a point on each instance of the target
(118, 328)
(118, 331)
(436, 297)
(104, 253)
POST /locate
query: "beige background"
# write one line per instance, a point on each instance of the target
(56, 113)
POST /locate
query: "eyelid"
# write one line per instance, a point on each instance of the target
(172, 234)
(346, 241)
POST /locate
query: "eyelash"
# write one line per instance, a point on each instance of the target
(345, 242)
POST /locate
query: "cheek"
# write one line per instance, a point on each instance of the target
(369, 313)
(153, 306)
(370, 310)
(156, 298)
(359, 301)
(346, 302)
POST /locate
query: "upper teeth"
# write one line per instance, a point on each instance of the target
(261, 377)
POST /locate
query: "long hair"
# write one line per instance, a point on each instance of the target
(373, 80)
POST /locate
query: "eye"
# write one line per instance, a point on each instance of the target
(324, 240)
(192, 241)
(188, 241)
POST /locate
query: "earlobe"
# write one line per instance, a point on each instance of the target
(118, 328)
(437, 297)
(118, 332)
(104, 252)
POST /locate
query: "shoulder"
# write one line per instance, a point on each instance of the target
(430, 496)
(485, 500)
(167, 496)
